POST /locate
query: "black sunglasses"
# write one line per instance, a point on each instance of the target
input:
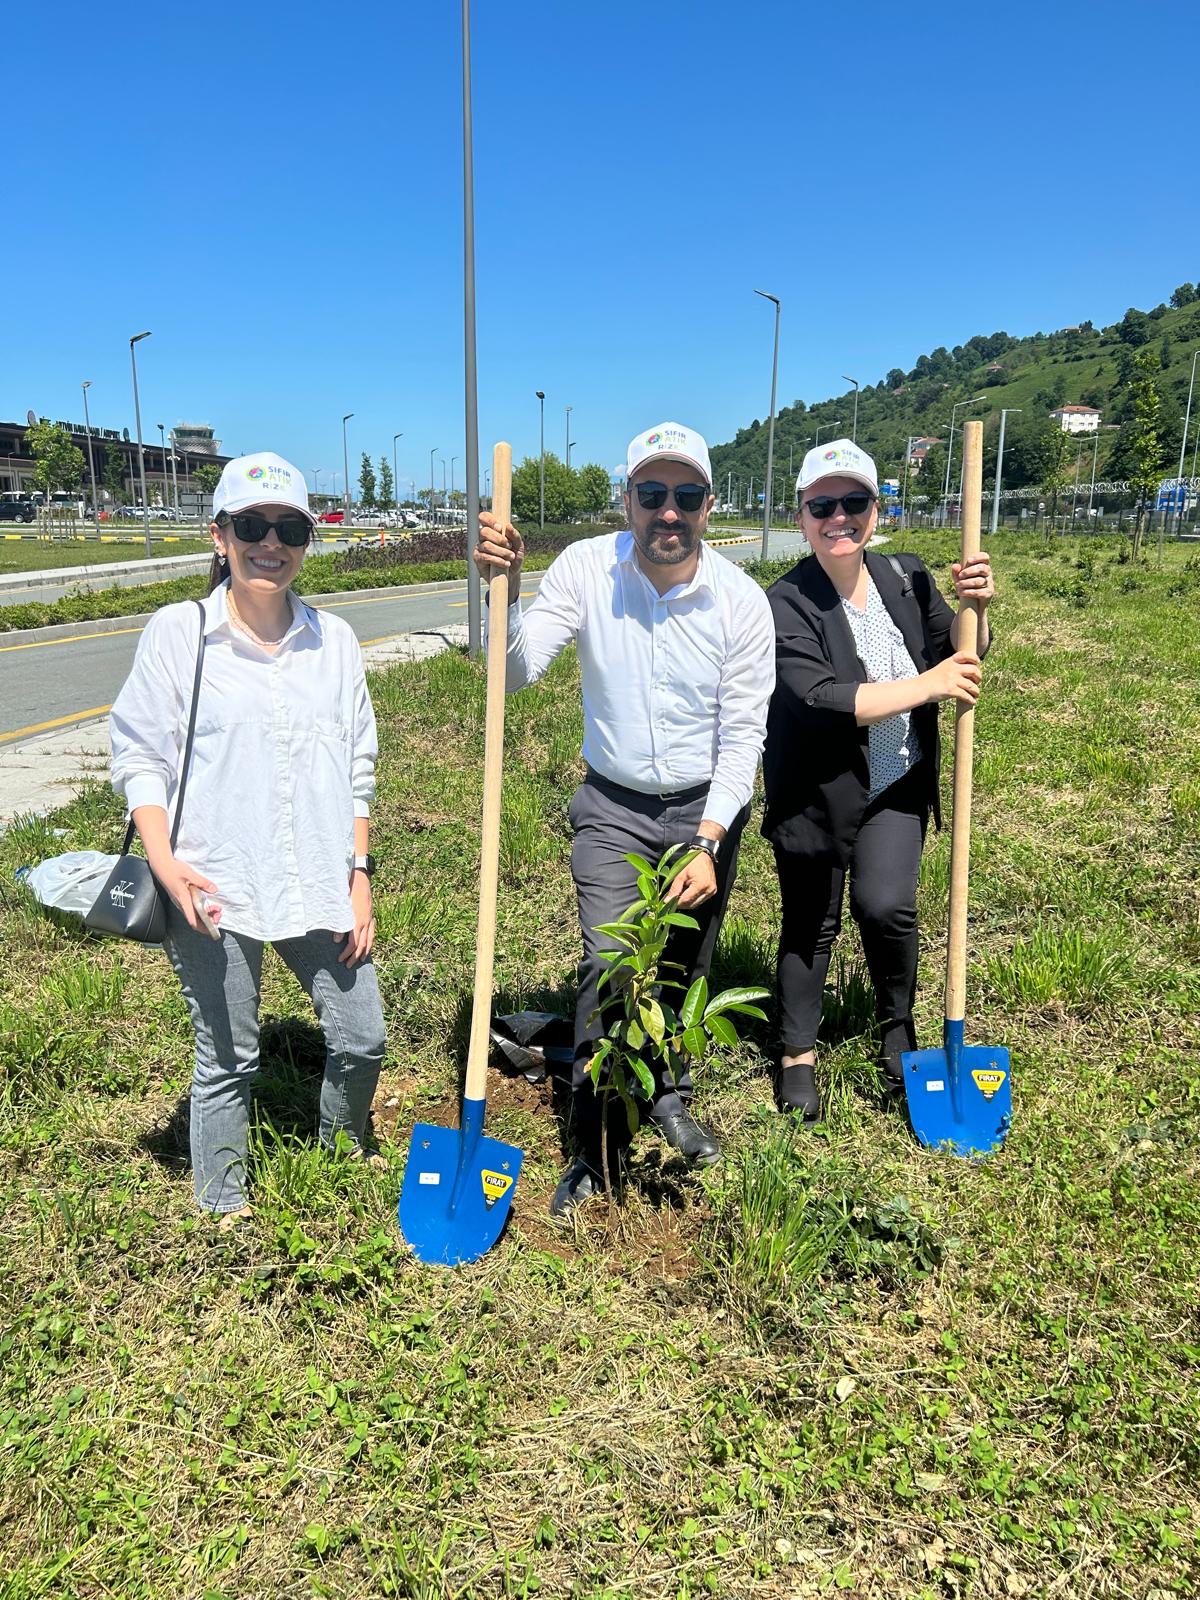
(824, 505)
(688, 496)
(253, 529)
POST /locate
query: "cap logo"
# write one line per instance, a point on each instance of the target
(255, 472)
(653, 438)
(832, 455)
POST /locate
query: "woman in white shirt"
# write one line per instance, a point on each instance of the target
(273, 840)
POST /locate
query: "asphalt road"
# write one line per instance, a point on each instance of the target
(56, 683)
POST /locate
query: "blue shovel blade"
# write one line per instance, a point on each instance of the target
(959, 1098)
(457, 1193)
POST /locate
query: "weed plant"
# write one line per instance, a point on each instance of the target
(834, 1364)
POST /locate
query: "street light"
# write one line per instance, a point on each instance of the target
(769, 481)
(854, 431)
(316, 472)
(396, 471)
(453, 459)
(174, 476)
(87, 428)
(974, 400)
(569, 409)
(1183, 443)
(432, 453)
(541, 395)
(836, 423)
(1000, 465)
(162, 445)
(345, 472)
(137, 414)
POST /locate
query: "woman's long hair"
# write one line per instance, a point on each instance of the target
(219, 570)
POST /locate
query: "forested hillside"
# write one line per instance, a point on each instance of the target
(1082, 365)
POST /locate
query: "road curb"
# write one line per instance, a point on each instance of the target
(70, 630)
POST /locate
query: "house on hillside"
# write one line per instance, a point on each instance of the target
(919, 450)
(1077, 419)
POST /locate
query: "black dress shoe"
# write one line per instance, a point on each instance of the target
(692, 1139)
(578, 1184)
(796, 1090)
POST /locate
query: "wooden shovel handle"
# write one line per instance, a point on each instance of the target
(493, 766)
(964, 740)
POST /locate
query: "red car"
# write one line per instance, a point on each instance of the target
(332, 516)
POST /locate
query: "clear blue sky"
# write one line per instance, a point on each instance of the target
(275, 191)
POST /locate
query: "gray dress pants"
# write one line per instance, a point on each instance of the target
(610, 822)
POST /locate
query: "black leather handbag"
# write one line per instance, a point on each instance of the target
(131, 904)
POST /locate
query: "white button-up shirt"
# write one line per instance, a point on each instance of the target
(283, 760)
(675, 686)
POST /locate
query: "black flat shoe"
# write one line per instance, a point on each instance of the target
(796, 1091)
(692, 1139)
(578, 1184)
(897, 1037)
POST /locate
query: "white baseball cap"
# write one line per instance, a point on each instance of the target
(840, 458)
(669, 441)
(260, 480)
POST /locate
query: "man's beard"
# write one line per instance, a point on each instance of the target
(650, 546)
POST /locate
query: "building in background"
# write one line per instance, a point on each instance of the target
(1077, 419)
(194, 443)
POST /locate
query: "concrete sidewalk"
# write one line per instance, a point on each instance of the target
(42, 773)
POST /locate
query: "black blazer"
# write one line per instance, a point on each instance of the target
(816, 766)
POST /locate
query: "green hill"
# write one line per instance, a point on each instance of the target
(1083, 365)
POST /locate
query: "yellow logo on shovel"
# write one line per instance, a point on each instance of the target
(497, 1184)
(988, 1080)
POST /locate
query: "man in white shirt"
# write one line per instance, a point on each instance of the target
(677, 657)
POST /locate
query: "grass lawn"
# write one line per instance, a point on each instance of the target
(44, 555)
(833, 1364)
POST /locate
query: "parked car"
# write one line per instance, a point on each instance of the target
(15, 507)
(332, 516)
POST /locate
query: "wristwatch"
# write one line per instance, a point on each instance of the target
(365, 864)
(711, 847)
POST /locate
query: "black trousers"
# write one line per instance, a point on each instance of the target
(610, 822)
(883, 901)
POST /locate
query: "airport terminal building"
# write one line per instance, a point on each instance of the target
(169, 465)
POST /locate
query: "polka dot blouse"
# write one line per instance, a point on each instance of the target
(893, 746)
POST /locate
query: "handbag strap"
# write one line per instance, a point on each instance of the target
(187, 749)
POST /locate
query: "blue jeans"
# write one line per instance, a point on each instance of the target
(221, 981)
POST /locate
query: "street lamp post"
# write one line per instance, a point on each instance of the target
(1187, 417)
(769, 480)
(453, 459)
(836, 423)
(854, 428)
(174, 476)
(1013, 410)
(316, 472)
(1092, 485)
(396, 472)
(345, 472)
(87, 428)
(162, 445)
(569, 410)
(541, 397)
(974, 400)
(137, 415)
(432, 453)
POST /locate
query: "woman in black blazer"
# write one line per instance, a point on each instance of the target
(866, 648)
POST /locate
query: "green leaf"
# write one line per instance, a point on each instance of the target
(646, 886)
(621, 931)
(747, 1011)
(601, 1051)
(634, 1037)
(735, 997)
(640, 863)
(680, 919)
(693, 1006)
(652, 1016)
(644, 1076)
(721, 1029)
(695, 1041)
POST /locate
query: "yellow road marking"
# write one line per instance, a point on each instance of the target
(75, 638)
(55, 722)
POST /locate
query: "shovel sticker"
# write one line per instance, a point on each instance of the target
(495, 1185)
(988, 1080)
